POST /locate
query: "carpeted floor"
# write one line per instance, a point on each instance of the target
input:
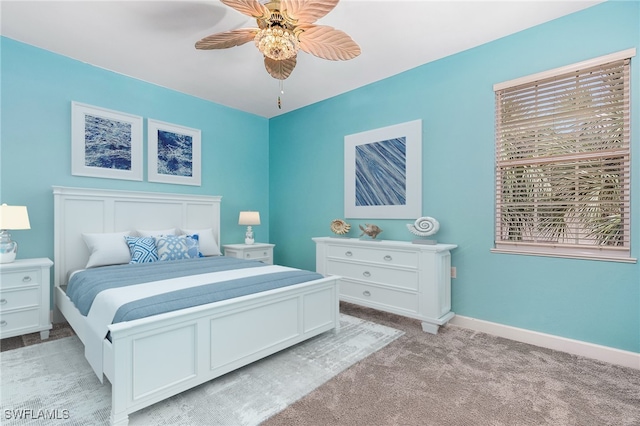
(54, 379)
(460, 377)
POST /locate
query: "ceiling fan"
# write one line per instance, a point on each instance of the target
(284, 26)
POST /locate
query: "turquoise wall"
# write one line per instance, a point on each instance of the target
(593, 301)
(299, 189)
(37, 89)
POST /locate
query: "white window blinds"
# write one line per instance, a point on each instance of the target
(563, 163)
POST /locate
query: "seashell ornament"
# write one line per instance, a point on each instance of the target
(340, 227)
(424, 226)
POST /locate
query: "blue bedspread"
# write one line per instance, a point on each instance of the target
(84, 286)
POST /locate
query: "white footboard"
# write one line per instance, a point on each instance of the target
(151, 359)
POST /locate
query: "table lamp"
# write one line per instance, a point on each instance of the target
(249, 219)
(11, 217)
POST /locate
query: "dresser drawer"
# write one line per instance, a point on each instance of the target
(12, 321)
(385, 298)
(21, 278)
(19, 298)
(396, 277)
(381, 255)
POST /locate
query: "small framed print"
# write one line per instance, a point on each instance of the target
(383, 172)
(173, 153)
(105, 143)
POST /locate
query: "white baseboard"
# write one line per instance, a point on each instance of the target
(575, 347)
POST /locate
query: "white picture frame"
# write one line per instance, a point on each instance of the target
(174, 153)
(105, 143)
(383, 172)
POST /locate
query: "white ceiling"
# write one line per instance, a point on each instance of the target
(154, 41)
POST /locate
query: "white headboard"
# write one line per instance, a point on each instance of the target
(86, 210)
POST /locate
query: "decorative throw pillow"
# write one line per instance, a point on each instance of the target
(172, 247)
(193, 246)
(107, 249)
(156, 233)
(206, 241)
(143, 249)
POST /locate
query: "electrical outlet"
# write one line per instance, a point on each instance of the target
(453, 272)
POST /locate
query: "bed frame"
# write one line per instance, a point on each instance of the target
(151, 359)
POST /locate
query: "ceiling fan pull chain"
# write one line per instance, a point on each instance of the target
(282, 93)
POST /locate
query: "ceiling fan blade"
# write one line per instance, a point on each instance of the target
(307, 11)
(280, 69)
(327, 43)
(248, 7)
(227, 39)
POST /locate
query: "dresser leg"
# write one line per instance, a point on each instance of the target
(430, 328)
(44, 334)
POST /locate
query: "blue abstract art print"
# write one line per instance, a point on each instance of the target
(174, 153)
(383, 172)
(105, 143)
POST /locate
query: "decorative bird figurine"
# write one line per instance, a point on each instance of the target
(370, 230)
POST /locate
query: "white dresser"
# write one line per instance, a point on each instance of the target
(408, 279)
(24, 297)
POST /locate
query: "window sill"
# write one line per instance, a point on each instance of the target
(600, 257)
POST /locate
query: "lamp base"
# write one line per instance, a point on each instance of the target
(248, 236)
(8, 247)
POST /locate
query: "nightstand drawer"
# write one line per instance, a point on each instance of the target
(257, 254)
(19, 298)
(259, 251)
(379, 297)
(20, 278)
(12, 321)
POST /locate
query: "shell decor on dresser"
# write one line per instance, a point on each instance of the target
(370, 230)
(424, 227)
(339, 227)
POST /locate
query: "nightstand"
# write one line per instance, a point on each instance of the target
(257, 251)
(24, 297)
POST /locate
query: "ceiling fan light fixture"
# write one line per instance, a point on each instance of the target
(277, 43)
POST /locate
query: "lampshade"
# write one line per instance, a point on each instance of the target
(249, 218)
(14, 217)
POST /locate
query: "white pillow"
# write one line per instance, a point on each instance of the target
(158, 233)
(107, 249)
(206, 241)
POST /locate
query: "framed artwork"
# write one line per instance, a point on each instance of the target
(383, 172)
(105, 143)
(174, 153)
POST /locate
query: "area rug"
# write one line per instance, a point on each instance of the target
(52, 382)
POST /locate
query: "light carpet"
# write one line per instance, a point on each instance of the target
(54, 379)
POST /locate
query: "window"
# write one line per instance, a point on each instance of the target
(563, 161)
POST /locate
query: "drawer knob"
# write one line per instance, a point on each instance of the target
(348, 254)
(3, 301)
(26, 279)
(366, 293)
(3, 323)
(388, 258)
(366, 274)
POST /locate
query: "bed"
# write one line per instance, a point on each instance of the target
(149, 359)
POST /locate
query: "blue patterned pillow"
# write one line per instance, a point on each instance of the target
(142, 249)
(173, 247)
(193, 245)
